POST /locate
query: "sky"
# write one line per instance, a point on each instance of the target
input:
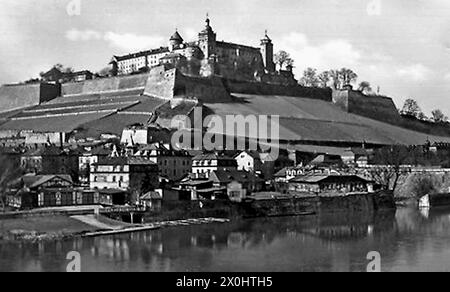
(400, 46)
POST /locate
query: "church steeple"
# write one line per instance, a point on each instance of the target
(208, 21)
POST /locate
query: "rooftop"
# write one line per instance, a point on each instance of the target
(227, 176)
(317, 178)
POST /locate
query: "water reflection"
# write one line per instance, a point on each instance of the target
(407, 240)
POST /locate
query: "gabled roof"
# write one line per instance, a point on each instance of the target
(283, 172)
(151, 196)
(227, 176)
(326, 159)
(253, 154)
(173, 56)
(45, 151)
(52, 72)
(125, 161)
(34, 181)
(357, 151)
(211, 156)
(142, 54)
(316, 178)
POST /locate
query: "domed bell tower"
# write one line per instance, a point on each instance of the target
(207, 40)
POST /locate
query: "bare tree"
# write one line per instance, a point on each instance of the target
(365, 87)
(438, 116)
(389, 165)
(347, 76)
(309, 78)
(324, 79)
(412, 108)
(282, 58)
(334, 75)
(8, 172)
(342, 77)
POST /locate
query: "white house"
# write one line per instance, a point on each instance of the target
(135, 135)
(204, 165)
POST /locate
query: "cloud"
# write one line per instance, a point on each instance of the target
(126, 42)
(133, 42)
(447, 76)
(190, 33)
(331, 54)
(76, 35)
(416, 72)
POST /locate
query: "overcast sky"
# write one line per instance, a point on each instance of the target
(403, 46)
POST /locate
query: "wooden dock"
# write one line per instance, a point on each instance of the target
(155, 226)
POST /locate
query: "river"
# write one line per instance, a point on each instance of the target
(407, 240)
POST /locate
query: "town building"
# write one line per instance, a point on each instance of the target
(135, 174)
(55, 75)
(326, 160)
(353, 156)
(208, 56)
(238, 184)
(282, 178)
(330, 184)
(32, 191)
(80, 76)
(51, 160)
(89, 157)
(271, 165)
(204, 164)
(140, 134)
(46, 191)
(195, 189)
(172, 164)
(152, 201)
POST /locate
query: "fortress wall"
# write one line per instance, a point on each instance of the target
(173, 84)
(273, 89)
(161, 83)
(49, 92)
(375, 107)
(208, 90)
(20, 96)
(104, 85)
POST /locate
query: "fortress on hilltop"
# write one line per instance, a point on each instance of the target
(154, 87)
(207, 57)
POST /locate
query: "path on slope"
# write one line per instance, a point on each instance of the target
(104, 224)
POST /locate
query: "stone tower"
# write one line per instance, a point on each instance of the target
(267, 53)
(175, 41)
(207, 40)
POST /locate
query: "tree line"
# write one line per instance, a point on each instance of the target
(340, 78)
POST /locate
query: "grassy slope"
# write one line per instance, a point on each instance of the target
(54, 224)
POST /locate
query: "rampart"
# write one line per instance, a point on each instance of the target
(375, 107)
(19, 96)
(172, 84)
(260, 88)
(103, 85)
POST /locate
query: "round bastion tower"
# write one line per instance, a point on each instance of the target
(175, 41)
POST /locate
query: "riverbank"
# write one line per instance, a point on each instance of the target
(55, 228)
(41, 228)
